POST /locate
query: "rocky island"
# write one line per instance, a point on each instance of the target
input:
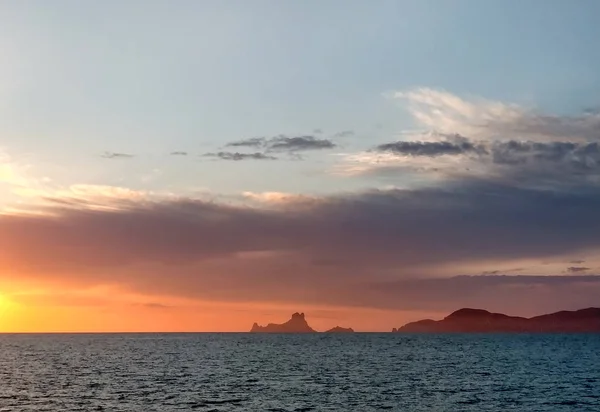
(478, 320)
(338, 329)
(297, 324)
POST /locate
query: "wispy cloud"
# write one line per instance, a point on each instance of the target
(300, 143)
(500, 272)
(179, 153)
(278, 198)
(237, 156)
(478, 118)
(577, 269)
(156, 305)
(116, 155)
(344, 133)
(286, 143)
(32, 195)
(251, 142)
(20, 181)
(83, 196)
(479, 139)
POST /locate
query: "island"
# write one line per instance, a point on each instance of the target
(338, 329)
(297, 324)
(469, 320)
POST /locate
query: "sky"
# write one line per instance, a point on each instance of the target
(201, 166)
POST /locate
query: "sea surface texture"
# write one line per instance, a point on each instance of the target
(353, 372)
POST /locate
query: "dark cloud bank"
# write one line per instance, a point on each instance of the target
(551, 165)
(336, 250)
(574, 157)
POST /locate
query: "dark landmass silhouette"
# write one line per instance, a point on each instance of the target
(339, 329)
(479, 320)
(297, 324)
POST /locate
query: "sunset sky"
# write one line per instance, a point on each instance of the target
(203, 165)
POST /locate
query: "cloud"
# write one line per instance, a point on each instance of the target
(96, 196)
(491, 272)
(404, 228)
(116, 155)
(525, 295)
(521, 162)
(494, 191)
(300, 143)
(492, 141)
(79, 196)
(236, 156)
(377, 248)
(478, 118)
(285, 143)
(278, 144)
(156, 305)
(251, 142)
(577, 269)
(179, 153)
(460, 146)
(500, 272)
(582, 156)
(278, 198)
(344, 133)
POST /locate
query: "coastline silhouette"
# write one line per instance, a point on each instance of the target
(478, 320)
(466, 320)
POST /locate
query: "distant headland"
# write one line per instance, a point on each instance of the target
(478, 320)
(467, 320)
(297, 324)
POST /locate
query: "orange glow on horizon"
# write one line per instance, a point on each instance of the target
(57, 312)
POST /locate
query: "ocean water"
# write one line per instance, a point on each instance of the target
(355, 372)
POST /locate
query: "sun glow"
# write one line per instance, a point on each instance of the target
(5, 306)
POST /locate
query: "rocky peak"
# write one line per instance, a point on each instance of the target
(296, 324)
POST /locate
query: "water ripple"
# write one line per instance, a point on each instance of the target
(299, 373)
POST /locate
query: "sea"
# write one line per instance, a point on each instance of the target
(301, 373)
